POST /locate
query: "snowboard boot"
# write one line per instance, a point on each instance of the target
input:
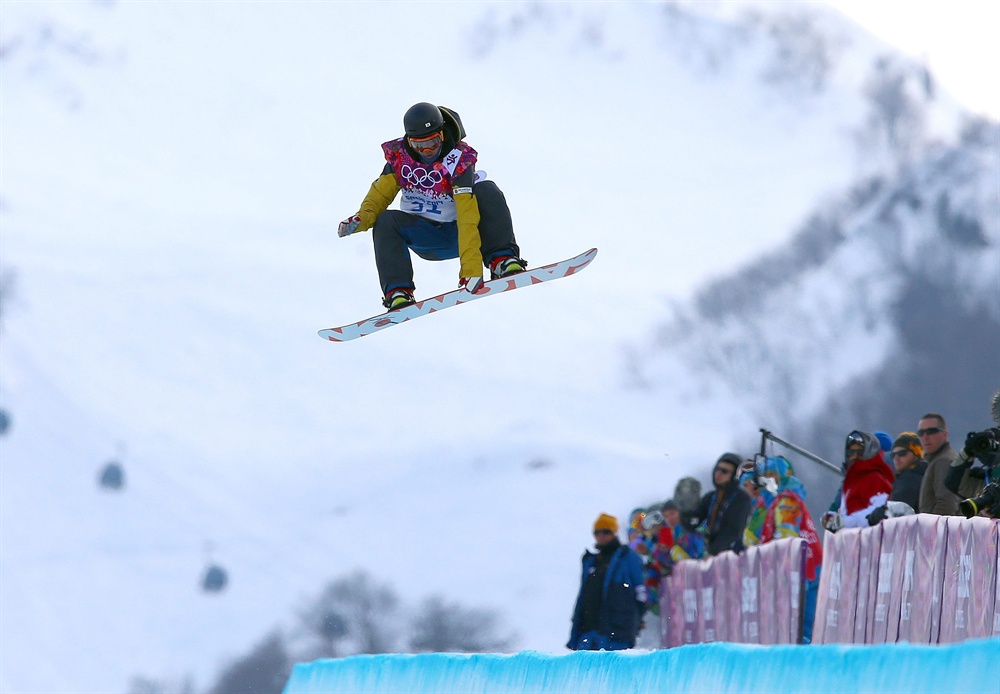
(398, 298)
(505, 266)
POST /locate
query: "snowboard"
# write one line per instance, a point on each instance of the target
(352, 331)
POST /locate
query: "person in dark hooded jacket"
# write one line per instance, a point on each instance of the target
(723, 512)
(612, 597)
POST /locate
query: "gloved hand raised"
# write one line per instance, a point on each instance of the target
(348, 226)
(473, 285)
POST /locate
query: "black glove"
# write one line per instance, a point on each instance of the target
(877, 516)
(969, 449)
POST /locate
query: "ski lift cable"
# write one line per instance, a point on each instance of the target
(768, 436)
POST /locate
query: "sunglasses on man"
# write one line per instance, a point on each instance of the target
(929, 430)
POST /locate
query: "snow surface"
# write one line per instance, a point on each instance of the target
(714, 667)
(172, 176)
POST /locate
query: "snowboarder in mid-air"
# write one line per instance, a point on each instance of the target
(447, 210)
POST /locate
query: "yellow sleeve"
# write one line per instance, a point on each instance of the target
(469, 243)
(380, 196)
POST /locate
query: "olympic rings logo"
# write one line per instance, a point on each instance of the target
(421, 176)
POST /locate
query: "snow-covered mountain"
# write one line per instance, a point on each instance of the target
(884, 305)
(172, 176)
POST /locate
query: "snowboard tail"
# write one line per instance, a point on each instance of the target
(440, 302)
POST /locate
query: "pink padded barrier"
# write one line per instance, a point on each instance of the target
(731, 594)
(968, 595)
(693, 630)
(781, 591)
(922, 579)
(706, 601)
(895, 562)
(725, 624)
(769, 565)
(996, 594)
(864, 612)
(838, 585)
(751, 598)
(748, 564)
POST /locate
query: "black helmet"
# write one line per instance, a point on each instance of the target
(422, 119)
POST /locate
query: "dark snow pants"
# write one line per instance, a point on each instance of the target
(396, 233)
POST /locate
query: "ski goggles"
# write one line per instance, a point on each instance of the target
(855, 439)
(428, 144)
(651, 520)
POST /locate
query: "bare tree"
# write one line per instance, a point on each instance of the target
(7, 281)
(353, 614)
(264, 670)
(145, 685)
(448, 627)
(896, 120)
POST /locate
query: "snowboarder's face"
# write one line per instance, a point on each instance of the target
(428, 147)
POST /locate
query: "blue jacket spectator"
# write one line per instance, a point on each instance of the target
(612, 597)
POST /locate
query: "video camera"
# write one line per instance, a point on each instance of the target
(984, 445)
(989, 501)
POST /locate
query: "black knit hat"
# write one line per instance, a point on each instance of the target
(909, 440)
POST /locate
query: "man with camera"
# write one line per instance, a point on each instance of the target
(975, 474)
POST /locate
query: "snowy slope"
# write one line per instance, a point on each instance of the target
(172, 176)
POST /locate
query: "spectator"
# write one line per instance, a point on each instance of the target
(908, 461)
(974, 469)
(761, 493)
(658, 562)
(636, 537)
(723, 511)
(935, 497)
(687, 496)
(788, 516)
(978, 463)
(867, 483)
(612, 597)
(675, 541)
(884, 440)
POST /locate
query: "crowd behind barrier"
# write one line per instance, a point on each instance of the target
(744, 562)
